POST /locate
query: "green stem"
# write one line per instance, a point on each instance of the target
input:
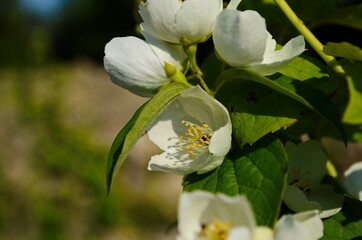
(219, 83)
(311, 39)
(176, 76)
(190, 51)
(180, 78)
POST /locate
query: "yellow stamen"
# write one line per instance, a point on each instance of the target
(297, 179)
(216, 230)
(197, 137)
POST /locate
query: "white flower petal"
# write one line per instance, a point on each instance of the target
(312, 222)
(221, 140)
(165, 131)
(179, 164)
(299, 227)
(132, 64)
(170, 20)
(270, 45)
(212, 112)
(240, 37)
(201, 208)
(195, 19)
(241, 40)
(195, 106)
(273, 60)
(297, 201)
(291, 49)
(330, 202)
(353, 180)
(170, 53)
(309, 159)
(159, 18)
(233, 4)
(235, 209)
(211, 163)
(287, 229)
(263, 233)
(240, 233)
(190, 209)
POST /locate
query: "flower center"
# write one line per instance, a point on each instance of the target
(216, 230)
(197, 137)
(295, 178)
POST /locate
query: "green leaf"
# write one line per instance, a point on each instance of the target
(305, 68)
(211, 68)
(353, 132)
(117, 145)
(266, 8)
(310, 10)
(312, 72)
(137, 126)
(353, 112)
(309, 96)
(343, 49)
(330, 12)
(257, 171)
(347, 224)
(257, 110)
(348, 16)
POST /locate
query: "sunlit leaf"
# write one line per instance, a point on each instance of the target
(311, 71)
(137, 126)
(304, 68)
(353, 112)
(343, 49)
(257, 110)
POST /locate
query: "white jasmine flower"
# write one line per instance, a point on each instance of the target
(177, 21)
(353, 180)
(206, 216)
(139, 66)
(242, 40)
(194, 131)
(301, 226)
(307, 167)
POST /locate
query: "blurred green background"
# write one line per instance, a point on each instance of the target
(59, 114)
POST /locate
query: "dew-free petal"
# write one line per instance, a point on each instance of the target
(274, 60)
(240, 37)
(187, 131)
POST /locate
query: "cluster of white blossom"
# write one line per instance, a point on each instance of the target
(194, 130)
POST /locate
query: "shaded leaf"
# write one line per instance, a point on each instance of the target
(349, 16)
(347, 224)
(211, 68)
(257, 171)
(310, 10)
(311, 97)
